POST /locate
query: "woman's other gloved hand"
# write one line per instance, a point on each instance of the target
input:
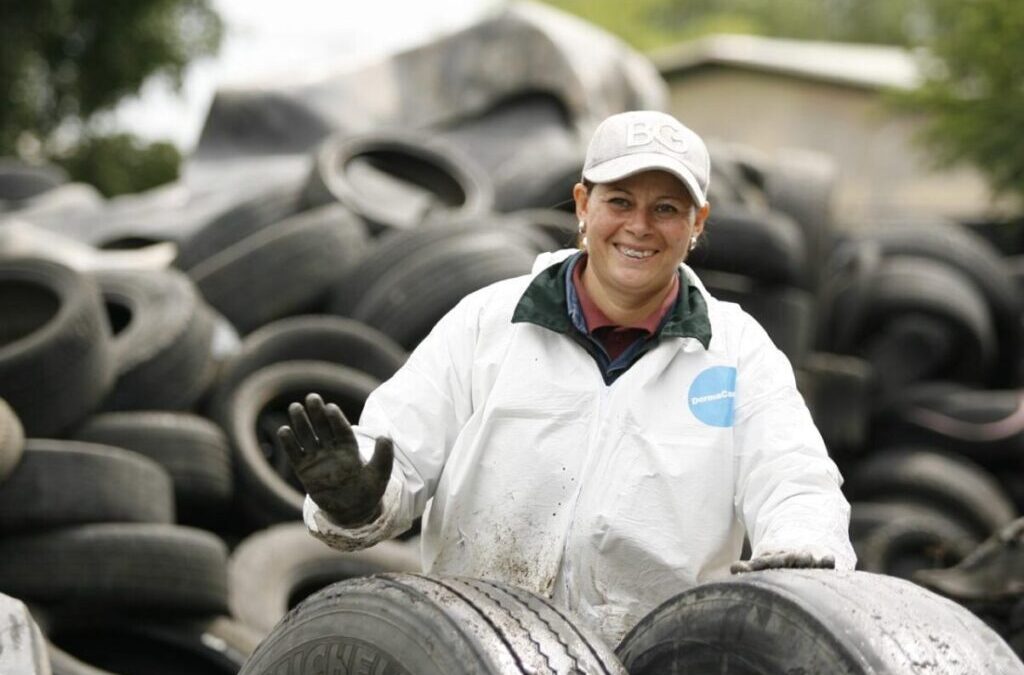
(324, 454)
(772, 560)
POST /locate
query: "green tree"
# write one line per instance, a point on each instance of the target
(973, 91)
(649, 24)
(64, 61)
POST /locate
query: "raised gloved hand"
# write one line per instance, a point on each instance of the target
(771, 560)
(325, 456)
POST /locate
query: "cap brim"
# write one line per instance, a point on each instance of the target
(629, 165)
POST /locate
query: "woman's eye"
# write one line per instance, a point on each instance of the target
(619, 201)
(667, 208)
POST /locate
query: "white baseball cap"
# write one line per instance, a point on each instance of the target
(642, 140)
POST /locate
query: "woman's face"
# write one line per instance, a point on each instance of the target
(638, 231)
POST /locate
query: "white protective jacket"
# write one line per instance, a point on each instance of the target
(609, 499)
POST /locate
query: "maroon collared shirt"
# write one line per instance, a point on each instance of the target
(615, 338)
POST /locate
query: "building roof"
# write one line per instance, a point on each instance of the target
(859, 65)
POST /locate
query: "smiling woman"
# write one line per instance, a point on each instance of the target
(600, 416)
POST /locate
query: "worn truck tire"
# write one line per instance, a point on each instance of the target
(394, 180)
(56, 362)
(813, 621)
(418, 625)
(12, 440)
(955, 485)
(335, 339)
(193, 450)
(107, 567)
(273, 570)
(59, 483)
(265, 484)
(162, 337)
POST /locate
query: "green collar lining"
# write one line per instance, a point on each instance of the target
(544, 304)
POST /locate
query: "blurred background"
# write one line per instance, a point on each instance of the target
(209, 208)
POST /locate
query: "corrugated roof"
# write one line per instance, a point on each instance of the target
(860, 65)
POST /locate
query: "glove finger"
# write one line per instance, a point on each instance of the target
(383, 458)
(291, 446)
(804, 560)
(301, 427)
(318, 418)
(341, 430)
(768, 562)
(827, 562)
(739, 567)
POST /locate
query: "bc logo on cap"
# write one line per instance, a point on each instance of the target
(712, 394)
(639, 133)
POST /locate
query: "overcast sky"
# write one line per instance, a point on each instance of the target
(267, 41)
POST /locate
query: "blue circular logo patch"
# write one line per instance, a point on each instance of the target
(712, 394)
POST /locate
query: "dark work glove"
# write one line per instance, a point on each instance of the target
(325, 456)
(773, 560)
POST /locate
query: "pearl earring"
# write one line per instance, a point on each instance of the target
(693, 242)
(582, 227)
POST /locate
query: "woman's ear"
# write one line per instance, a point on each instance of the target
(580, 195)
(702, 216)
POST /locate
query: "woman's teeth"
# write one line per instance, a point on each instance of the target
(634, 253)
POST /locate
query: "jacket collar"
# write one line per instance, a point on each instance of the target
(544, 303)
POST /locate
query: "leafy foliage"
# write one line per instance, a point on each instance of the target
(974, 88)
(648, 24)
(119, 163)
(63, 61)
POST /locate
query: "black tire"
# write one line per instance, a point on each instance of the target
(785, 312)
(985, 426)
(813, 621)
(527, 147)
(955, 485)
(394, 180)
(836, 388)
(20, 181)
(338, 340)
(283, 269)
(135, 568)
(12, 440)
(768, 247)
(273, 570)
(397, 620)
(157, 646)
(976, 259)
(60, 483)
(916, 318)
(193, 450)
(56, 363)
(235, 224)
(407, 302)
(559, 226)
(914, 541)
(397, 250)
(866, 517)
(162, 336)
(62, 663)
(801, 184)
(264, 481)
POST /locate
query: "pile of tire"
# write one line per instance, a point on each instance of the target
(151, 524)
